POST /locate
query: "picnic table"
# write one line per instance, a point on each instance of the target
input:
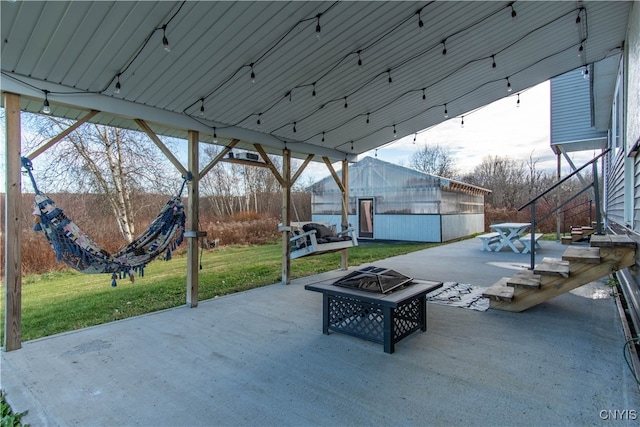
(508, 233)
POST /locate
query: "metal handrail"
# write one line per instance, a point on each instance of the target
(594, 184)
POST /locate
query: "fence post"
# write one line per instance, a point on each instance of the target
(596, 191)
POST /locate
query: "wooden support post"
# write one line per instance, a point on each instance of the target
(219, 157)
(151, 134)
(13, 255)
(91, 114)
(345, 210)
(193, 220)
(286, 216)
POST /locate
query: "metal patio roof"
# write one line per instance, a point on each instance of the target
(417, 59)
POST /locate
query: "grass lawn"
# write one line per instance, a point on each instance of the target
(64, 301)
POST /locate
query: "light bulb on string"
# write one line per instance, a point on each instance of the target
(420, 23)
(294, 127)
(318, 26)
(585, 72)
(345, 102)
(395, 134)
(215, 136)
(518, 101)
(46, 108)
(351, 145)
(462, 122)
(493, 59)
(376, 152)
(424, 95)
(389, 79)
(444, 46)
(253, 74)
(578, 19)
(414, 137)
(509, 88)
(367, 118)
(322, 136)
(118, 86)
(359, 59)
(165, 41)
(201, 107)
(514, 15)
(446, 113)
(580, 49)
(313, 94)
(259, 121)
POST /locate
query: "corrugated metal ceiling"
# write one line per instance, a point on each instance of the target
(79, 50)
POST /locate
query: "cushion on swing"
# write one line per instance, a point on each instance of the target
(322, 231)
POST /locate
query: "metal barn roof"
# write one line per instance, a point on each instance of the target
(417, 59)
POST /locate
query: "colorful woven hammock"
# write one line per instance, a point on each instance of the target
(73, 247)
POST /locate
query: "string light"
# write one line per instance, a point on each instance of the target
(253, 74)
(322, 136)
(351, 145)
(259, 122)
(518, 101)
(493, 58)
(509, 88)
(578, 19)
(424, 95)
(585, 72)
(46, 109)
(294, 127)
(367, 118)
(318, 26)
(446, 113)
(215, 136)
(165, 41)
(580, 49)
(414, 137)
(313, 94)
(359, 59)
(389, 79)
(420, 23)
(444, 46)
(395, 134)
(514, 15)
(345, 102)
(376, 152)
(201, 107)
(118, 86)
(462, 122)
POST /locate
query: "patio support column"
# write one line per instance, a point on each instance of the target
(286, 216)
(12, 241)
(558, 196)
(344, 262)
(193, 220)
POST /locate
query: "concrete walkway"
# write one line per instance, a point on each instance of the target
(259, 358)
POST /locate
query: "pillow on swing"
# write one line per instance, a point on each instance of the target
(322, 231)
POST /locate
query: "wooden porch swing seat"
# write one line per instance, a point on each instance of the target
(314, 239)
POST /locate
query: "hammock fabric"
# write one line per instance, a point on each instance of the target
(73, 247)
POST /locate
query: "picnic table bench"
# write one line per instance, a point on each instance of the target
(526, 242)
(488, 240)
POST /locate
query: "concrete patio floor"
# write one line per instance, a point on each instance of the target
(259, 358)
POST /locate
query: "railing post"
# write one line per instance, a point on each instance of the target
(596, 191)
(533, 236)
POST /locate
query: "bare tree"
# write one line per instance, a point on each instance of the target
(434, 160)
(104, 160)
(505, 177)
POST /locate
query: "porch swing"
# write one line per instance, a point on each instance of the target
(312, 238)
(77, 250)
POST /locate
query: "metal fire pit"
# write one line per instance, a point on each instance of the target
(374, 279)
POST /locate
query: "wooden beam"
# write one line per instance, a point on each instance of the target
(335, 176)
(62, 134)
(13, 254)
(193, 220)
(344, 259)
(286, 216)
(267, 160)
(301, 169)
(143, 125)
(219, 157)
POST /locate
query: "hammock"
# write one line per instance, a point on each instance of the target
(73, 247)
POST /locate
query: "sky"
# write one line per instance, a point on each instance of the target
(501, 128)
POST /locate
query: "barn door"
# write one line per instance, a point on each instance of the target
(365, 218)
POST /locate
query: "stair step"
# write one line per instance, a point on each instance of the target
(583, 254)
(566, 240)
(552, 267)
(525, 279)
(499, 291)
(608, 240)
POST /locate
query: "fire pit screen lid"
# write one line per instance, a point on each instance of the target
(374, 279)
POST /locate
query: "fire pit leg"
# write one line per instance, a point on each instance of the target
(389, 344)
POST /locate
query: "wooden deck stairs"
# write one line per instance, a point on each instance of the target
(578, 234)
(578, 266)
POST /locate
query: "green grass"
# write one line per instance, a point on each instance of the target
(64, 301)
